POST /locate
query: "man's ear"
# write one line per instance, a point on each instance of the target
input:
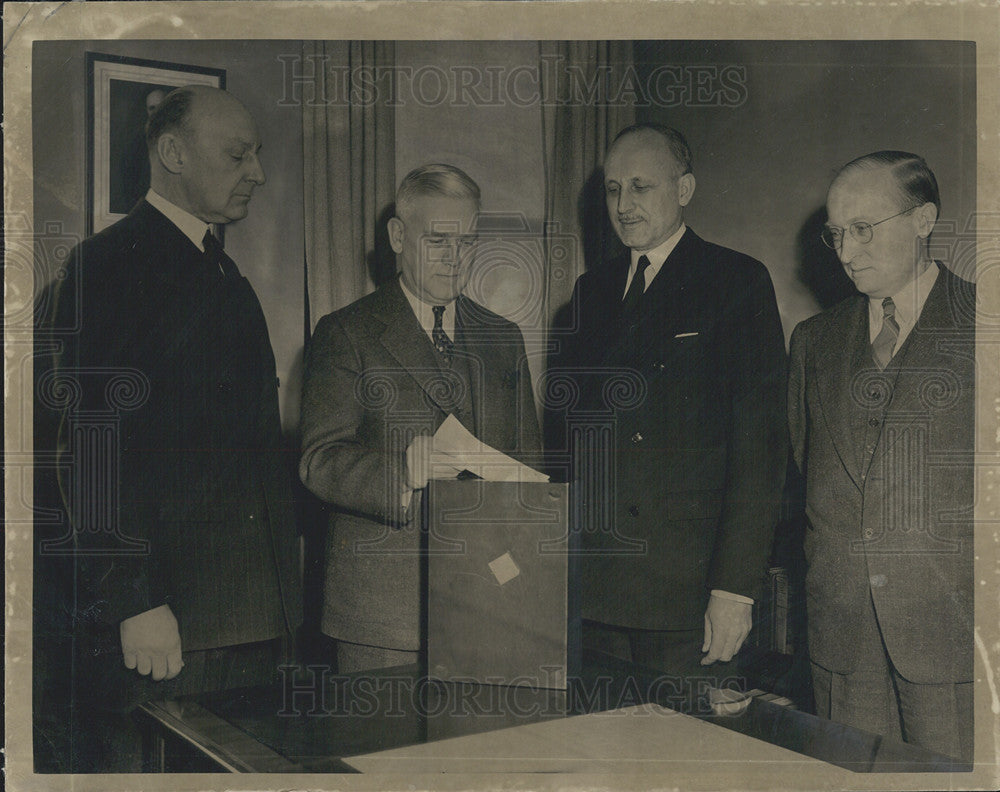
(170, 152)
(926, 218)
(685, 188)
(395, 227)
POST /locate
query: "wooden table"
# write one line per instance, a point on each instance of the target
(397, 721)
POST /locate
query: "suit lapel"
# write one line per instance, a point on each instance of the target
(404, 339)
(834, 373)
(467, 342)
(918, 357)
(170, 256)
(665, 304)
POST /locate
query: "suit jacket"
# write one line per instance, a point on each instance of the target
(373, 381)
(888, 461)
(679, 492)
(176, 485)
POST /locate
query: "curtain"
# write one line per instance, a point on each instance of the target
(349, 163)
(577, 128)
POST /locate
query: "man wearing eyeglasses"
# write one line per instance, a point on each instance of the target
(881, 400)
(381, 376)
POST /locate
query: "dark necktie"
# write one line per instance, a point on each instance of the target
(444, 345)
(885, 341)
(630, 305)
(217, 256)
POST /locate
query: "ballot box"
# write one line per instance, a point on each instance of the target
(503, 603)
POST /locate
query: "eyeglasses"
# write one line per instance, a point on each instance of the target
(833, 236)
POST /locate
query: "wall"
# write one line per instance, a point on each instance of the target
(498, 142)
(267, 245)
(765, 146)
(764, 154)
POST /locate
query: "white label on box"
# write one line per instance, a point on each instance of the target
(504, 569)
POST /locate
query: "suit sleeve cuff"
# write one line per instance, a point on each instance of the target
(730, 596)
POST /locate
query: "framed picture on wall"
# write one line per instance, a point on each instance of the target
(121, 94)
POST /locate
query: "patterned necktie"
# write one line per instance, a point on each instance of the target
(630, 305)
(444, 345)
(885, 341)
(217, 256)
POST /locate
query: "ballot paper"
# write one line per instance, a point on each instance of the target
(456, 449)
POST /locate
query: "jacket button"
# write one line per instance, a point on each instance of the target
(633, 510)
(878, 581)
(659, 366)
(873, 421)
(637, 438)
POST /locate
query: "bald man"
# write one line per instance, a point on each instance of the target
(185, 544)
(678, 348)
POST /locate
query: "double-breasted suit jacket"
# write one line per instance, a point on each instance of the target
(173, 470)
(682, 495)
(373, 381)
(888, 461)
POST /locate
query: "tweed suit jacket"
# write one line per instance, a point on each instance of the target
(888, 461)
(373, 381)
(683, 495)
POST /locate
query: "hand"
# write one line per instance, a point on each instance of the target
(151, 643)
(727, 624)
(418, 461)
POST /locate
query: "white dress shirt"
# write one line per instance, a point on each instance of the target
(656, 257)
(425, 314)
(193, 228)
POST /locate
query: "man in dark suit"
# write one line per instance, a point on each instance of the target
(881, 411)
(678, 353)
(381, 376)
(175, 483)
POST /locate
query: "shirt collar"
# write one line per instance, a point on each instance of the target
(657, 256)
(424, 312)
(909, 300)
(193, 228)
(660, 253)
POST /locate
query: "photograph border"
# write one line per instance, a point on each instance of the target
(973, 20)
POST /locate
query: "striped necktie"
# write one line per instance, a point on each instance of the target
(885, 341)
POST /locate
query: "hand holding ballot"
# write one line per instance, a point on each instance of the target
(453, 450)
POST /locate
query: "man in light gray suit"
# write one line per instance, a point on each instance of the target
(381, 376)
(881, 411)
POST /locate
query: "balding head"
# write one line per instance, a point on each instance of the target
(203, 147)
(647, 183)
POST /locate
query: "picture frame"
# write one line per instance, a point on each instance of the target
(121, 92)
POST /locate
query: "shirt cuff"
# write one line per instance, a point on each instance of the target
(730, 596)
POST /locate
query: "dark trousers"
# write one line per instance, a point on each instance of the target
(352, 657)
(875, 698)
(675, 654)
(103, 737)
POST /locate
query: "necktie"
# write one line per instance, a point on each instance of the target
(885, 341)
(630, 305)
(442, 343)
(217, 256)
